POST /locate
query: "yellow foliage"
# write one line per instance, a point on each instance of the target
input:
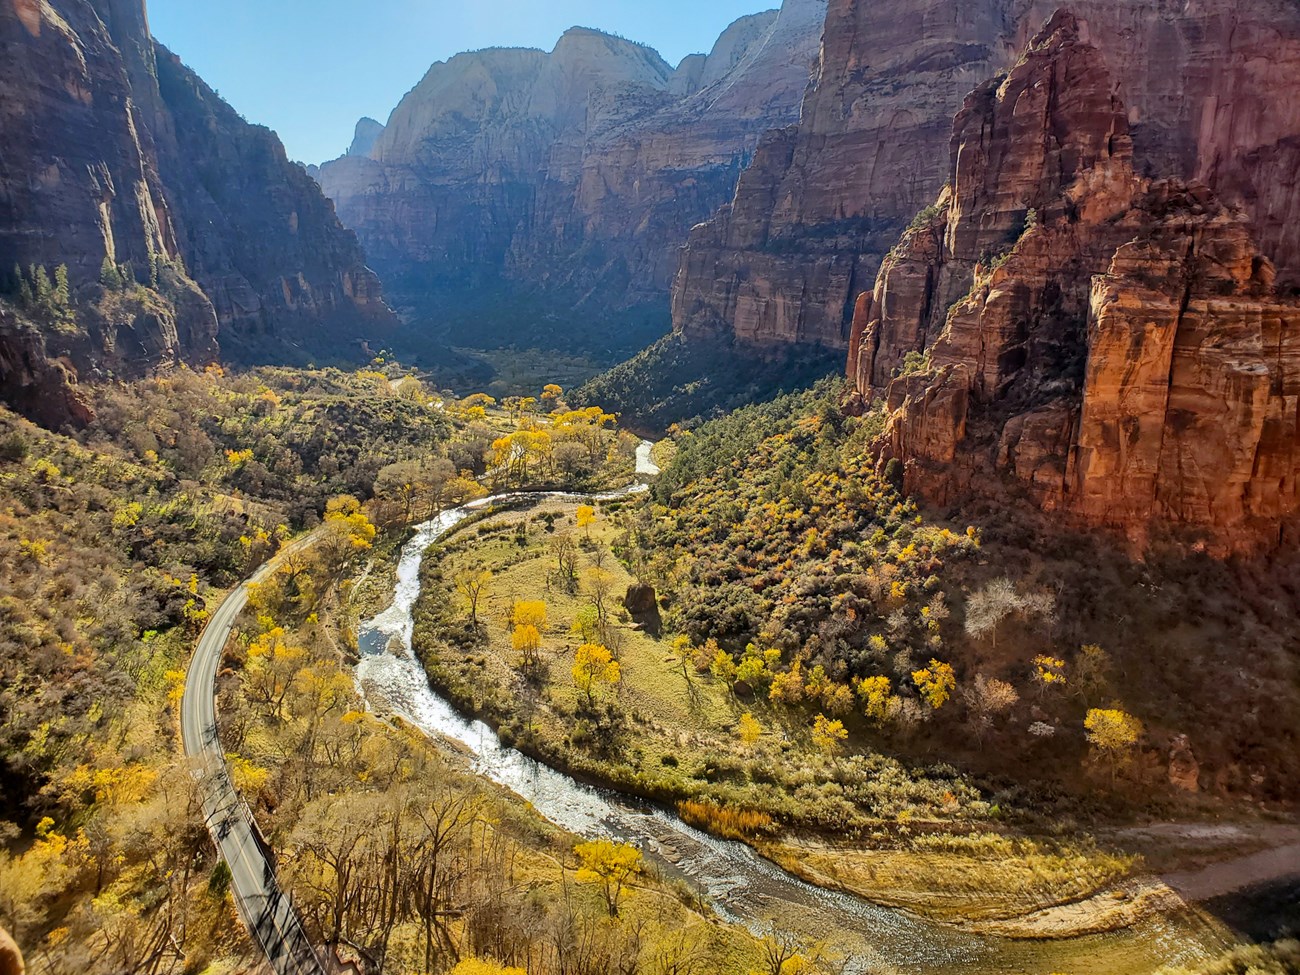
(876, 693)
(476, 966)
(1049, 671)
(936, 683)
(593, 666)
(1112, 732)
(749, 729)
(735, 824)
(529, 613)
(828, 735)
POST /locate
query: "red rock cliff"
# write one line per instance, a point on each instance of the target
(1061, 327)
(1209, 89)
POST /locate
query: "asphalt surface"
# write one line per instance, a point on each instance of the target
(265, 908)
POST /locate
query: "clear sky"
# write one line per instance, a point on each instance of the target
(310, 68)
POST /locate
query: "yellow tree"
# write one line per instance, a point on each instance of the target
(527, 642)
(876, 693)
(749, 729)
(787, 688)
(529, 612)
(936, 683)
(1113, 735)
(586, 518)
(594, 667)
(828, 735)
(611, 865)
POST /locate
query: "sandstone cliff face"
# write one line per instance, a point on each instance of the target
(111, 150)
(1060, 327)
(581, 170)
(1208, 89)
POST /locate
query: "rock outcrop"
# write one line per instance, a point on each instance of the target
(117, 161)
(1208, 89)
(1058, 326)
(580, 171)
(11, 959)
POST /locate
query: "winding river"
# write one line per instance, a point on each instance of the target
(741, 885)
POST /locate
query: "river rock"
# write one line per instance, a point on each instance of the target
(1184, 769)
(11, 959)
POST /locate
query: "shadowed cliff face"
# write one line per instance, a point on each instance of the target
(1060, 327)
(116, 156)
(578, 172)
(1208, 89)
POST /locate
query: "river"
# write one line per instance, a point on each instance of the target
(741, 885)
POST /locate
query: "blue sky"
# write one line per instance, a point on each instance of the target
(310, 68)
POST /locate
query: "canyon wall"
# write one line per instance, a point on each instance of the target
(1061, 327)
(580, 171)
(1208, 89)
(119, 163)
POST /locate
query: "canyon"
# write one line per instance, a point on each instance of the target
(577, 173)
(1058, 327)
(186, 232)
(1207, 90)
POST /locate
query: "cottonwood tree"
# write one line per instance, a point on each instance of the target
(474, 584)
(988, 608)
(594, 667)
(610, 865)
(1114, 736)
(988, 697)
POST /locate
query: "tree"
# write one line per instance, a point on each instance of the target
(936, 683)
(600, 585)
(566, 559)
(1113, 735)
(988, 697)
(1049, 672)
(788, 688)
(997, 601)
(594, 666)
(876, 693)
(474, 585)
(529, 613)
(748, 729)
(828, 735)
(586, 518)
(1092, 669)
(527, 641)
(611, 865)
(551, 394)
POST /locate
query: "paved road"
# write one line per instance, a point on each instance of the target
(265, 908)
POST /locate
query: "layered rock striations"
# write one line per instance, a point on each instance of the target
(117, 162)
(1208, 89)
(581, 170)
(1059, 326)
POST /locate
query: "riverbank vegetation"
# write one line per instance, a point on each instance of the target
(799, 646)
(115, 543)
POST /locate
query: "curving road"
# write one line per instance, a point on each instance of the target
(264, 907)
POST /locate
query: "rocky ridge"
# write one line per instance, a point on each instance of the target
(1058, 326)
(1208, 95)
(186, 232)
(579, 171)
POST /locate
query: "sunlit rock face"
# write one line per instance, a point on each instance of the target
(1060, 327)
(112, 150)
(581, 170)
(1208, 90)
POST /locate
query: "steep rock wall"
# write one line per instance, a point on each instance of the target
(1208, 89)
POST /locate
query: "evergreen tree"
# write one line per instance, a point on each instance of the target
(62, 291)
(109, 275)
(25, 296)
(41, 285)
